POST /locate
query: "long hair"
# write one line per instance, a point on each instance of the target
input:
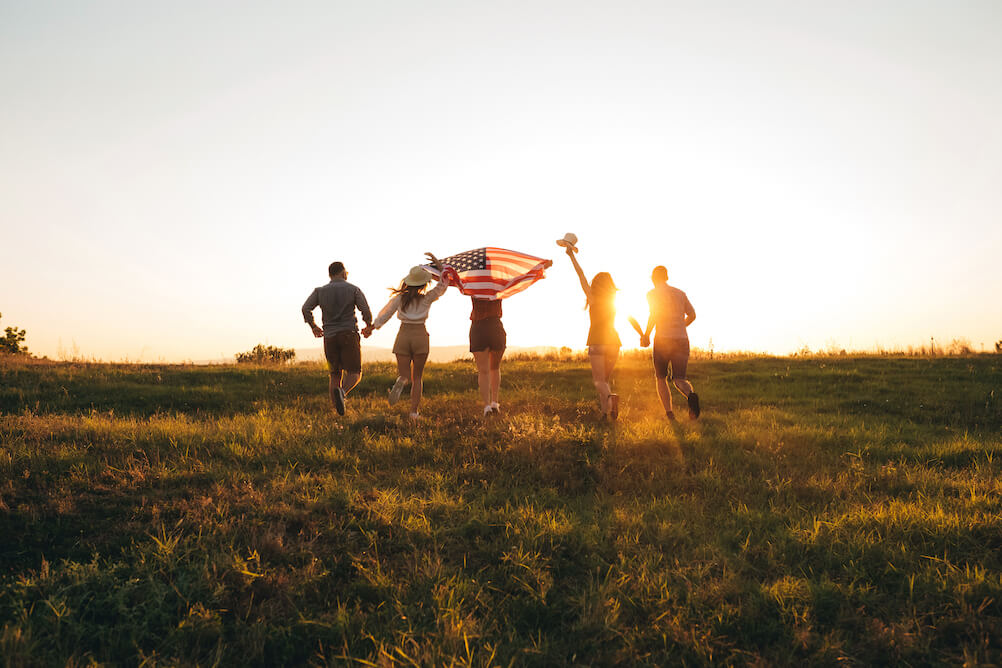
(603, 290)
(408, 293)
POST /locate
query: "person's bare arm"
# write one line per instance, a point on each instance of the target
(645, 336)
(690, 312)
(580, 272)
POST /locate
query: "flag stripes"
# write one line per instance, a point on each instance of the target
(492, 273)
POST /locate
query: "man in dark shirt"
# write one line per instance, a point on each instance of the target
(337, 301)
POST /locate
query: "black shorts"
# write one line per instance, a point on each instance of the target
(343, 351)
(673, 353)
(487, 334)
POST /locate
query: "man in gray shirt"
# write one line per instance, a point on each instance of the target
(337, 301)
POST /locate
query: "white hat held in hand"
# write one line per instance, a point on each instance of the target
(570, 240)
(417, 276)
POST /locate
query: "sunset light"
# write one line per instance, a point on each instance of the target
(323, 333)
(192, 182)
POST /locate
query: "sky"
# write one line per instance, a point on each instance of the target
(176, 177)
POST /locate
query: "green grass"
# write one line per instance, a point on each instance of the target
(822, 510)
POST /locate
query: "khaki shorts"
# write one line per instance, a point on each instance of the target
(673, 353)
(343, 352)
(487, 334)
(412, 340)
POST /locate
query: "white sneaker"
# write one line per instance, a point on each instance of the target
(488, 409)
(415, 417)
(397, 389)
(496, 407)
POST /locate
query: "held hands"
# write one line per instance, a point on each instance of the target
(645, 340)
(367, 331)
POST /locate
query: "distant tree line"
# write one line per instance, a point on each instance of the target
(266, 355)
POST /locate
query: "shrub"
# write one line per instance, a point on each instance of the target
(959, 347)
(266, 355)
(13, 340)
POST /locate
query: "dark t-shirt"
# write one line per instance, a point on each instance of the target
(485, 308)
(602, 314)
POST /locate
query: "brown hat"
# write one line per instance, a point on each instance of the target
(417, 276)
(570, 240)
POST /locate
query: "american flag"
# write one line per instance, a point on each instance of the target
(492, 273)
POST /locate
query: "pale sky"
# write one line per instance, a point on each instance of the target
(176, 177)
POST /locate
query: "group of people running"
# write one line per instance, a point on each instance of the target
(670, 314)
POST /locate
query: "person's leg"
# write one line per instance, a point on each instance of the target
(350, 380)
(332, 353)
(417, 382)
(661, 363)
(495, 376)
(483, 361)
(679, 356)
(403, 377)
(680, 365)
(403, 367)
(351, 361)
(600, 380)
(334, 386)
(664, 394)
(611, 357)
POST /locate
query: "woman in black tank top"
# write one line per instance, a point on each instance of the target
(603, 340)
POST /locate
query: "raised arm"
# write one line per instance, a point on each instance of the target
(580, 272)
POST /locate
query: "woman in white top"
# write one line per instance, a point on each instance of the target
(411, 304)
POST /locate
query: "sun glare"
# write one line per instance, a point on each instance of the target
(631, 301)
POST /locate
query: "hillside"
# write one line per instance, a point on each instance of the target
(822, 510)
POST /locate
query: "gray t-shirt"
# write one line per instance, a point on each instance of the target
(669, 306)
(337, 301)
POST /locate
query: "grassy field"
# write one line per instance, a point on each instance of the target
(827, 510)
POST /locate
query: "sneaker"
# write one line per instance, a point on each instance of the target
(693, 405)
(414, 417)
(613, 406)
(339, 401)
(397, 389)
(496, 408)
(488, 410)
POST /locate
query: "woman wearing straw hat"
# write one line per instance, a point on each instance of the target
(411, 304)
(603, 340)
